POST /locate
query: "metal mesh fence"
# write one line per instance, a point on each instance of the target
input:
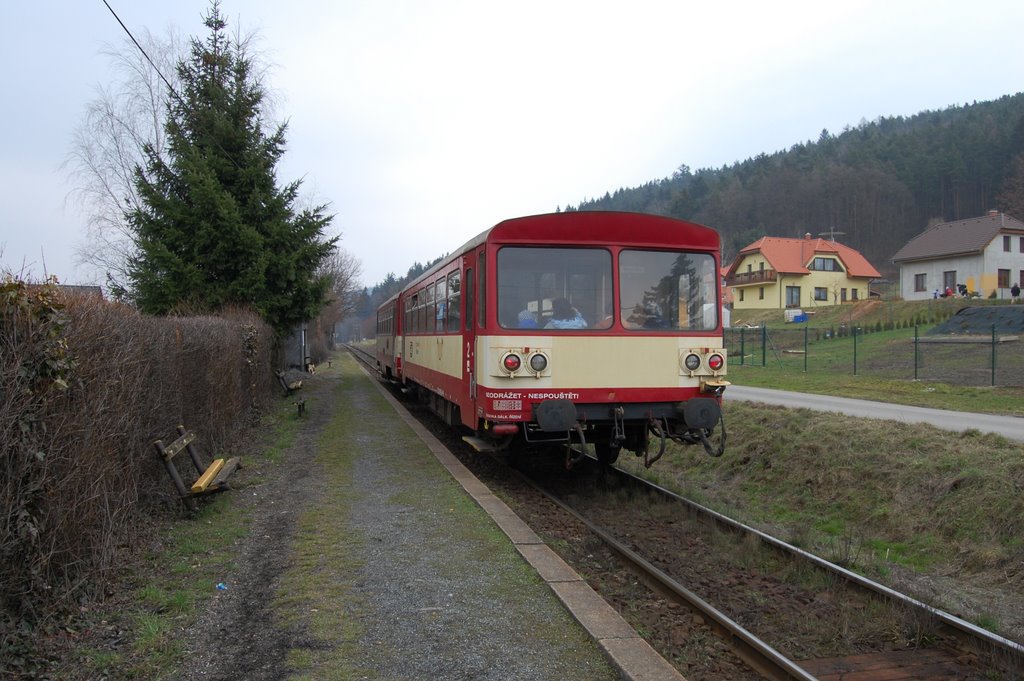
(908, 353)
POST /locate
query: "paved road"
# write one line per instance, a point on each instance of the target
(1010, 427)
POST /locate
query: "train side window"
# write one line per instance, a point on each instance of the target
(421, 308)
(410, 315)
(440, 307)
(481, 291)
(428, 313)
(454, 300)
(471, 299)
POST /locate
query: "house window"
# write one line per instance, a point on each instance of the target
(1004, 279)
(750, 268)
(792, 296)
(826, 265)
(760, 265)
(741, 295)
(821, 293)
(760, 293)
(1022, 244)
(1006, 243)
(853, 294)
(842, 294)
(920, 281)
(949, 280)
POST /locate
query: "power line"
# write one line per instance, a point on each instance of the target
(156, 68)
(170, 88)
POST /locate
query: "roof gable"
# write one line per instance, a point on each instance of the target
(791, 256)
(962, 237)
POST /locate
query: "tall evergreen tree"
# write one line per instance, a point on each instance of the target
(213, 228)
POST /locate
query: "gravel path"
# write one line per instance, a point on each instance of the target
(431, 589)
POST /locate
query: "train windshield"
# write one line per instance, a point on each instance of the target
(668, 290)
(554, 288)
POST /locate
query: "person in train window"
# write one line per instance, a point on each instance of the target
(565, 316)
(526, 320)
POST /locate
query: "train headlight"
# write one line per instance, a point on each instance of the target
(692, 362)
(716, 362)
(538, 362)
(511, 362)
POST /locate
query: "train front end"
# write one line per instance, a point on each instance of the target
(606, 332)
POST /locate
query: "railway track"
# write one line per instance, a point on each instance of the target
(944, 646)
(927, 643)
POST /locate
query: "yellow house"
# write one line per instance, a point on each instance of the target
(777, 273)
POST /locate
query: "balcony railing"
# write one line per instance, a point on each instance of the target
(747, 278)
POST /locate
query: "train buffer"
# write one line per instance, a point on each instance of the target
(212, 478)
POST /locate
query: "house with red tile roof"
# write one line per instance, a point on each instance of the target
(777, 273)
(985, 254)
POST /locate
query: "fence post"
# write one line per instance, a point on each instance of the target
(855, 351)
(742, 345)
(764, 344)
(805, 349)
(917, 348)
(993, 355)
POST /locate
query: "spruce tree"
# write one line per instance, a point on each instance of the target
(213, 228)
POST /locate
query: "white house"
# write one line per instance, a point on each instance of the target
(985, 254)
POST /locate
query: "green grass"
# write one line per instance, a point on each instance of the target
(948, 377)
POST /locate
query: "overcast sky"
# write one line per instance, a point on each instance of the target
(424, 122)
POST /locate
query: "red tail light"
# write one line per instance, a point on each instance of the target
(512, 362)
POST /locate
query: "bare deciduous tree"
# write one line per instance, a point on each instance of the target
(108, 145)
(343, 270)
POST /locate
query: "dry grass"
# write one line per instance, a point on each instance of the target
(869, 492)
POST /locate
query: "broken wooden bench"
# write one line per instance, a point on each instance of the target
(289, 386)
(212, 478)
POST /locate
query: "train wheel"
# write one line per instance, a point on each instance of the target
(607, 453)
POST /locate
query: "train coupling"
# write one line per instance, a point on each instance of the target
(714, 387)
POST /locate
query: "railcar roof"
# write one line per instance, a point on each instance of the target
(591, 227)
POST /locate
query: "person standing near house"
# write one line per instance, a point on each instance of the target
(1015, 293)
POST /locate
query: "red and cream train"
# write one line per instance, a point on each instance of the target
(577, 327)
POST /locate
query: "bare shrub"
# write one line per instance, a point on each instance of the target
(86, 386)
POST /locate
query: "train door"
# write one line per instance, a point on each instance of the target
(468, 401)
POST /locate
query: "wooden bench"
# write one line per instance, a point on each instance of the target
(212, 478)
(289, 388)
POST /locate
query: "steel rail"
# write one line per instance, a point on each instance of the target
(752, 650)
(998, 644)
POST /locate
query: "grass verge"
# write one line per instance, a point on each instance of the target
(864, 493)
(189, 558)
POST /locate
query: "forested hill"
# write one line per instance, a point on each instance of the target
(876, 185)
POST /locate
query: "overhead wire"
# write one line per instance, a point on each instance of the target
(145, 54)
(170, 88)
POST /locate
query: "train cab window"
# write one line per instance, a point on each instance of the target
(554, 288)
(667, 290)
